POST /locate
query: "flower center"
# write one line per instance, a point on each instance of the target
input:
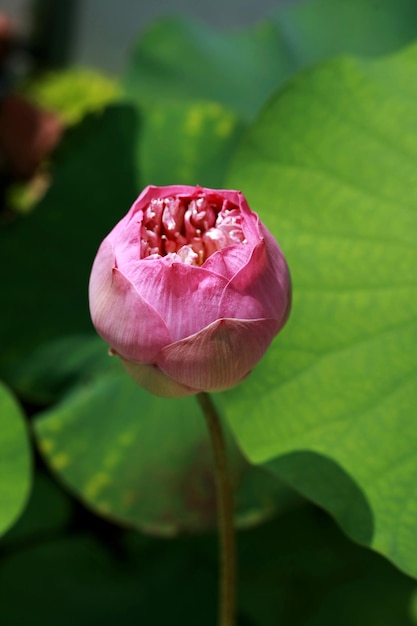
(190, 229)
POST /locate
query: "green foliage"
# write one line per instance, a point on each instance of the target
(336, 183)
(15, 460)
(49, 510)
(179, 59)
(187, 143)
(318, 29)
(297, 569)
(55, 366)
(109, 440)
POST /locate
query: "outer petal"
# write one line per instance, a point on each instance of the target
(151, 378)
(260, 289)
(184, 191)
(187, 191)
(186, 297)
(252, 226)
(280, 269)
(219, 356)
(120, 315)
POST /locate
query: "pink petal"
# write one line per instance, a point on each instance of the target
(186, 297)
(229, 260)
(219, 356)
(120, 315)
(280, 270)
(260, 289)
(188, 191)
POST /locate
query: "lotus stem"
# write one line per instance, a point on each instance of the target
(224, 498)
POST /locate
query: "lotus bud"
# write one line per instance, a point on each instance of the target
(189, 289)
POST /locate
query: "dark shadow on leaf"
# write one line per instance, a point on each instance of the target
(323, 481)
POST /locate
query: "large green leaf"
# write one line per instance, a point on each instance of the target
(46, 256)
(142, 460)
(15, 460)
(180, 59)
(331, 166)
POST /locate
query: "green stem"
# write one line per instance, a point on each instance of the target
(224, 513)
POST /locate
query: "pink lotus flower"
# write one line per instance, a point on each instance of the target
(189, 289)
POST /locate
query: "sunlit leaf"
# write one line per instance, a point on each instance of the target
(331, 166)
(187, 143)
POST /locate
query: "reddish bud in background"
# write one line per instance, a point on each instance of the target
(28, 135)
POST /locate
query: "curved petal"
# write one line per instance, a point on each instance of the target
(120, 315)
(250, 221)
(227, 261)
(219, 356)
(151, 378)
(185, 296)
(261, 288)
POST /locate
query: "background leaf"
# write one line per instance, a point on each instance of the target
(15, 460)
(48, 514)
(331, 167)
(318, 29)
(145, 461)
(51, 370)
(179, 59)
